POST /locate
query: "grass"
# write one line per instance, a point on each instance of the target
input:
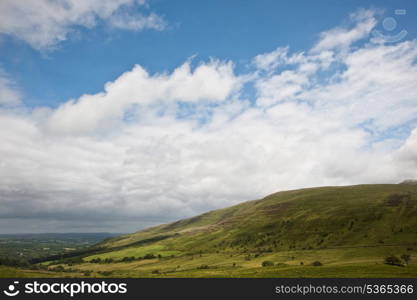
(339, 263)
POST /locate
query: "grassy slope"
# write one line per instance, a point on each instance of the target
(308, 218)
(349, 229)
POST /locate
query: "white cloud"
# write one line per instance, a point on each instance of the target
(9, 93)
(285, 85)
(210, 82)
(271, 60)
(377, 85)
(44, 23)
(342, 37)
(156, 147)
(137, 22)
(406, 156)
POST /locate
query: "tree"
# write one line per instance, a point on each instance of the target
(203, 267)
(105, 273)
(393, 261)
(128, 258)
(267, 263)
(149, 256)
(58, 269)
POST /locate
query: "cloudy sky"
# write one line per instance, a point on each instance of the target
(116, 115)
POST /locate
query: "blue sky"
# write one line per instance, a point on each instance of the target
(227, 30)
(117, 115)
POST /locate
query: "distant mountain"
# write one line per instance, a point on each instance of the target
(410, 181)
(56, 235)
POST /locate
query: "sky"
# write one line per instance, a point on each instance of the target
(123, 114)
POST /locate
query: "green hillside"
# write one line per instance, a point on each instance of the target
(349, 230)
(363, 215)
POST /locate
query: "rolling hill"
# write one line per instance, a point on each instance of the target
(316, 232)
(325, 217)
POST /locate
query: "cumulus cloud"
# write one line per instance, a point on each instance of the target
(152, 148)
(44, 23)
(209, 82)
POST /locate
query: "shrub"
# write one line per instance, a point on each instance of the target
(406, 258)
(105, 273)
(58, 269)
(203, 267)
(281, 265)
(128, 258)
(393, 261)
(73, 260)
(149, 256)
(316, 263)
(267, 263)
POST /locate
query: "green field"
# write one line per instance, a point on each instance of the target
(367, 262)
(345, 231)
